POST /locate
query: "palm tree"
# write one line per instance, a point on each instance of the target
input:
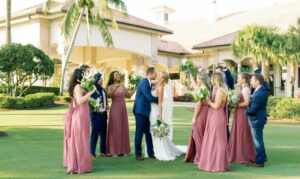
(96, 12)
(257, 42)
(8, 24)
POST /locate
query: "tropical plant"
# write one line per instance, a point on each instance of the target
(258, 43)
(96, 12)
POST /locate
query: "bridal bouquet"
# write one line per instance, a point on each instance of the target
(201, 94)
(87, 82)
(187, 66)
(160, 129)
(135, 79)
(233, 98)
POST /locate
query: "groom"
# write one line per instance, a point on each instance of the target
(141, 110)
(257, 117)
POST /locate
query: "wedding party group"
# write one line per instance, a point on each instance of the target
(212, 146)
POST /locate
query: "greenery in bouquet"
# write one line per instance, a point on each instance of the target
(87, 83)
(233, 98)
(201, 94)
(94, 104)
(160, 129)
(188, 67)
(135, 79)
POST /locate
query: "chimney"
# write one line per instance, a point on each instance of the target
(213, 15)
(162, 14)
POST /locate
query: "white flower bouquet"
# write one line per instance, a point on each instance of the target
(94, 104)
(233, 98)
(135, 79)
(201, 94)
(87, 83)
(160, 129)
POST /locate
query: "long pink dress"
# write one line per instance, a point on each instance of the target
(240, 147)
(214, 156)
(78, 157)
(195, 143)
(118, 129)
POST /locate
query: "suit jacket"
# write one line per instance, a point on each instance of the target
(257, 109)
(143, 98)
(229, 80)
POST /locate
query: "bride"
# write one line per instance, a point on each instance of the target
(164, 149)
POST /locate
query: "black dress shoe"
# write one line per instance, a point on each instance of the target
(255, 165)
(139, 158)
(152, 157)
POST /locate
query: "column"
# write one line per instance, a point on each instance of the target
(277, 79)
(288, 86)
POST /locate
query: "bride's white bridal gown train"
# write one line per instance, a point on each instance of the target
(164, 149)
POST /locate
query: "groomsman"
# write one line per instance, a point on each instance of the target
(257, 114)
(99, 118)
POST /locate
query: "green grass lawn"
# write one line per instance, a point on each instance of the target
(33, 149)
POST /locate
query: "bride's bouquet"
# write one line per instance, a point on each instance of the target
(87, 82)
(201, 94)
(233, 98)
(160, 129)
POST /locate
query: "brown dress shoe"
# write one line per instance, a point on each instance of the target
(139, 158)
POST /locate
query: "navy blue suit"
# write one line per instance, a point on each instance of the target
(98, 121)
(141, 110)
(229, 80)
(257, 112)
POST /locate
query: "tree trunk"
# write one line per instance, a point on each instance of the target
(66, 56)
(293, 74)
(266, 69)
(8, 18)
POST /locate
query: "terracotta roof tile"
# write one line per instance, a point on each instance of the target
(220, 41)
(171, 47)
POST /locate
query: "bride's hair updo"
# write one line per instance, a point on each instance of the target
(165, 77)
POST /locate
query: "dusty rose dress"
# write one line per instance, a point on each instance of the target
(195, 143)
(118, 129)
(214, 156)
(240, 147)
(77, 135)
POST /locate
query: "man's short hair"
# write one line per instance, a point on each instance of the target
(150, 70)
(259, 77)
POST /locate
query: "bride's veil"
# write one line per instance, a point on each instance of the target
(167, 113)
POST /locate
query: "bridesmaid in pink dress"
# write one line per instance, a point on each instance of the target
(214, 156)
(198, 121)
(77, 157)
(118, 143)
(241, 148)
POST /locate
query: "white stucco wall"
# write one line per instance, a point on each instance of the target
(28, 33)
(130, 40)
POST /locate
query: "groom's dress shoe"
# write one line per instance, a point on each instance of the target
(152, 157)
(139, 158)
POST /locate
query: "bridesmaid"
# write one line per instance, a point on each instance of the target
(78, 158)
(241, 148)
(213, 156)
(118, 129)
(198, 121)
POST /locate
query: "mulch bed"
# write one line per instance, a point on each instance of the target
(3, 134)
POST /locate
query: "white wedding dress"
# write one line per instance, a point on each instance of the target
(164, 149)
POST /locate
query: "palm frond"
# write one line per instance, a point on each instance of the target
(70, 20)
(46, 5)
(101, 23)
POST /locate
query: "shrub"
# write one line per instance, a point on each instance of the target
(63, 99)
(29, 101)
(272, 102)
(42, 89)
(184, 98)
(286, 108)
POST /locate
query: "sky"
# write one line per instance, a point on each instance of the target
(185, 9)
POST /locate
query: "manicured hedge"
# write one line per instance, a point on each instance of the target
(38, 89)
(63, 99)
(284, 108)
(29, 101)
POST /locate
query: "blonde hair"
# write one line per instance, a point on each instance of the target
(219, 77)
(165, 77)
(205, 79)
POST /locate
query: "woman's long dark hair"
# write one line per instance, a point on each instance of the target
(76, 78)
(111, 78)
